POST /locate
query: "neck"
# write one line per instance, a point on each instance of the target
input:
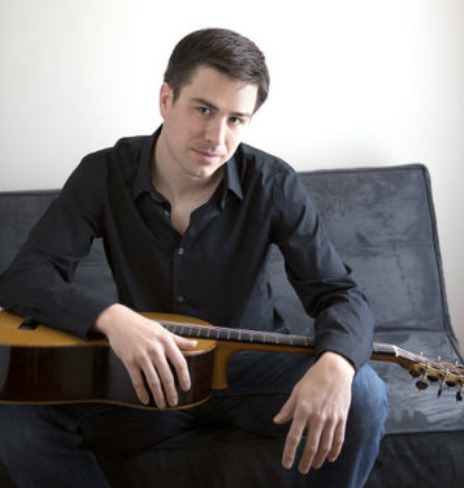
(184, 192)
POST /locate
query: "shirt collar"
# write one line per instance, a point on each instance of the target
(142, 178)
(231, 178)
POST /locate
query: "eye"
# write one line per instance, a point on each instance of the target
(204, 110)
(236, 120)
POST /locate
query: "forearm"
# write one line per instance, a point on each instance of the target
(31, 286)
(346, 327)
(112, 314)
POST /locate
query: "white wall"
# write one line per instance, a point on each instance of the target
(359, 82)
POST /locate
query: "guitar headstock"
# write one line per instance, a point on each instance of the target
(425, 369)
(445, 374)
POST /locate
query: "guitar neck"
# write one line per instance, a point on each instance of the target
(251, 338)
(274, 339)
(262, 340)
(243, 336)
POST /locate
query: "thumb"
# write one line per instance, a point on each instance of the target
(286, 412)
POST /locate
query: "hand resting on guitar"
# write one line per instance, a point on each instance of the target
(147, 349)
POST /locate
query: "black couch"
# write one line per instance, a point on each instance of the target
(382, 222)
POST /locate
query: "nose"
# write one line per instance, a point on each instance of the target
(216, 132)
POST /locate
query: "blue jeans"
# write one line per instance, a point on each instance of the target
(52, 445)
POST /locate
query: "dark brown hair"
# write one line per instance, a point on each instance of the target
(224, 50)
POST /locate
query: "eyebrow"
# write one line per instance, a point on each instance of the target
(210, 105)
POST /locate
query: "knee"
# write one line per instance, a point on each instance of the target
(11, 438)
(19, 431)
(15, 426)
(369, 407)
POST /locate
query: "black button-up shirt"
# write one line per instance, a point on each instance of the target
(215, 271)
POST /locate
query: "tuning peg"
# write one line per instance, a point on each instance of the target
(422, 383)
(442, 384)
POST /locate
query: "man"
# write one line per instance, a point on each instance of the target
(187, 216)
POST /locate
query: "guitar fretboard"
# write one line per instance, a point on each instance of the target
(239, 335)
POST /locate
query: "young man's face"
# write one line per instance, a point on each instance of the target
(204, 126)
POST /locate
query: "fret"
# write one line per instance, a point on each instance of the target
(239, 335)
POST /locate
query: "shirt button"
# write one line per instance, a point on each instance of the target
(181, 251)
(181, 298)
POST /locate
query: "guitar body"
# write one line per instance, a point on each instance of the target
(42, 365)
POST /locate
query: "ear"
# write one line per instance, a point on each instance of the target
(166, 99)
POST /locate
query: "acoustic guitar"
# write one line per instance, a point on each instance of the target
(40, 365)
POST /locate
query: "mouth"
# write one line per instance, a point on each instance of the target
(208, 156)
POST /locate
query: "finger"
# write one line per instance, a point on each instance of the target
(185, 344)
(286, 412)
(179, 363)
(311, 447)
(166, 379)
(138, 384)
(339, 439)
(154, 383)
(292, 441)
(325, 445)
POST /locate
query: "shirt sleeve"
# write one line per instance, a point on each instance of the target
(343, 320)
(39, 282)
